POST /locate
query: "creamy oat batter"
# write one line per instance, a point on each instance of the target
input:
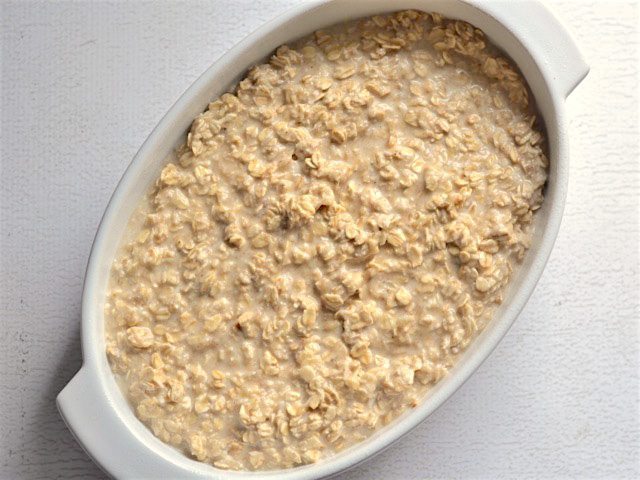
(327, 242)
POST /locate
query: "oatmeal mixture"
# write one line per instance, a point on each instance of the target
(327, 242)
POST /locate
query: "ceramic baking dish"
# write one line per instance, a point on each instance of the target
(92, 404)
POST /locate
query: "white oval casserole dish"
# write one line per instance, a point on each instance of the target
(92, 404)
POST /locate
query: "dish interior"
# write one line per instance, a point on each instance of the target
(171, 131)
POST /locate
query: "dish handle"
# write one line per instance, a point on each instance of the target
(534, 24)
(88, 413)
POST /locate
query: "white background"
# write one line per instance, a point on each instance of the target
(83, 84)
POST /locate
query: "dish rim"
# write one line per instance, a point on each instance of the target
(94, 358)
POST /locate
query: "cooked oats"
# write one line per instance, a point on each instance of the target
(327, 242)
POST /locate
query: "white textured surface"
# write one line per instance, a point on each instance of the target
(82, 86)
